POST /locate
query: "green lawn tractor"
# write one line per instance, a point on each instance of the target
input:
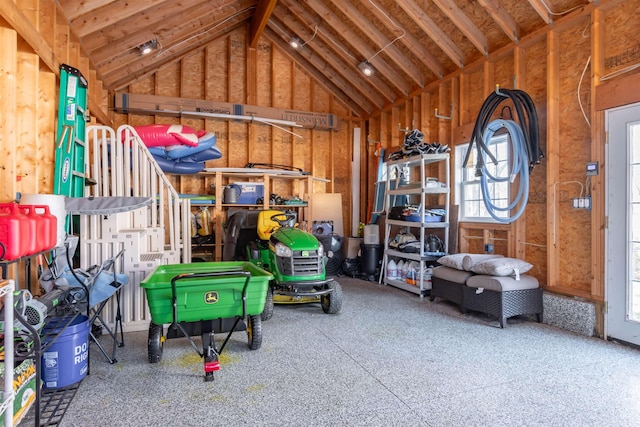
(294, 257)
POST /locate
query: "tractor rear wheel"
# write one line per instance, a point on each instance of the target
(267, 313)
(332, 302)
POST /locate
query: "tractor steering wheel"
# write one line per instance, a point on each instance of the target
(288, 218)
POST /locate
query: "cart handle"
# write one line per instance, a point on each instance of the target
(229, 273)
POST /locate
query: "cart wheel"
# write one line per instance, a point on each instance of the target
(267, 313)
(332, 302)
(156, 342)
(254, 332)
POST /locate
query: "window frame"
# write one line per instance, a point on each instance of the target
(465, 179)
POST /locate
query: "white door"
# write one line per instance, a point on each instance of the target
(622, 286)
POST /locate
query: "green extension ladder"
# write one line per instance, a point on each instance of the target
(69, 176)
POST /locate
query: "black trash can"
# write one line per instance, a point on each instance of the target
(371, 259)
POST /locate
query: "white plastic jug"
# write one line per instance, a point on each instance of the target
(392, 270)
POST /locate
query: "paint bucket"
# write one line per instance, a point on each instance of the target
(66, 360)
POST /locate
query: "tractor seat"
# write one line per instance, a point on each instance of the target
(266, 225)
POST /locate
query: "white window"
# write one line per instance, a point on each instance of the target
(468, 188)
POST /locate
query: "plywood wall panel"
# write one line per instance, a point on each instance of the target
(573, 235)
(504, 72)
(237, 68)
(192, 73)
(27, 156)
(168, 80)
(46, 107)
(8, 99)
(264, 74)
(217, 70)
(536, 212)
(621, 36)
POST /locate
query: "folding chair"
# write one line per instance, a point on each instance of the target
(100, 283)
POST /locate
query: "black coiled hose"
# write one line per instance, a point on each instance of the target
(527, 118)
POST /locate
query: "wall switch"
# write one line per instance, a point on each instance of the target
(592, 168)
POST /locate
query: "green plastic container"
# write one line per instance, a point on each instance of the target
(205, 298)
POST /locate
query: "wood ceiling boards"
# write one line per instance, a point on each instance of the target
(410, 43)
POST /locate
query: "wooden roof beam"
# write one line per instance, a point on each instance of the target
(259, 20)
(542, 10)
(129, 71)
(340, 27)
(194, 18)
(74, 9)
(115, 11)
(427, 25)
(304, 22)
(502, 18)
(327, 82)
(401, 61)
(319, 48)
(410, 41)
(464, 24)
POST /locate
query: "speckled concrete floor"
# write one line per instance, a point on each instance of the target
(388, 359)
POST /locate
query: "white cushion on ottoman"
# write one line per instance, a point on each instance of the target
(502, 283)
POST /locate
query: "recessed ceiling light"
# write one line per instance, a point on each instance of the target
(148, 47)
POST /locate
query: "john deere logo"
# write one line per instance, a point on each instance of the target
(211, 297)
(305, 253)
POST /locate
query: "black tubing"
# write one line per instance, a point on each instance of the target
(526, 116)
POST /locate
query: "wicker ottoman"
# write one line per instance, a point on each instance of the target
(447, 283)
(502, 297)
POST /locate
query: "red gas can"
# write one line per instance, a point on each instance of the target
(50, 226)
(15, 232)
(38, 229)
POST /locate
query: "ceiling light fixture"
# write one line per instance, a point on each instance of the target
(366, 68)
(296, 43)
(148, 47)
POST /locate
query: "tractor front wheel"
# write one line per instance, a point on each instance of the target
(332, 301)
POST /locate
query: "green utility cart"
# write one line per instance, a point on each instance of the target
(204, 298)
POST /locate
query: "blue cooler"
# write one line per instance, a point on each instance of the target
(250, 192)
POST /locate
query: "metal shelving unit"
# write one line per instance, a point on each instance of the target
(418, 188)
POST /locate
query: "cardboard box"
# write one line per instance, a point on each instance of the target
(24, 389)
(352, 246)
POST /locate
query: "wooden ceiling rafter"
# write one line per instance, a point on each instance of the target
(106, 15)
(259, 20)
(179, 40)
(541, 8)
(149, 65)
(464, 24)
(327, 83)
(383, 42)
(427, 25)
(322, 68)
(341, 51)
(108, 42)
(393, 77)
(501, 17)
(410, 41)
(319, 48)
